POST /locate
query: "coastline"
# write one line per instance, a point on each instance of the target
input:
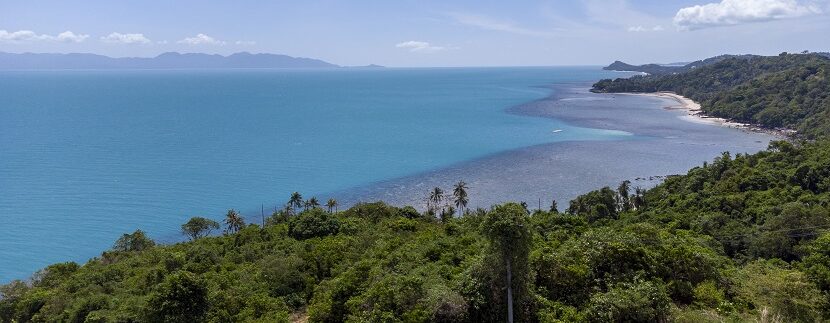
(694, 113)
(538, 173)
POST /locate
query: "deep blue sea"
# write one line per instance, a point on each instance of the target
(88, 155)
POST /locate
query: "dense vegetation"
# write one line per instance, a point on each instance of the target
(659, 69)
(786, 91)
(739, 239)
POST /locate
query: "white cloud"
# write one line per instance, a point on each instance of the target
(245, 42)
(644, 29)
(120, 38)
(70, 37)
(201, 39)
(487, 23)
(734, 12)
(420, 46)
(28, 36)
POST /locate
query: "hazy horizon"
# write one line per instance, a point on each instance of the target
(424, 33)
(401, 67)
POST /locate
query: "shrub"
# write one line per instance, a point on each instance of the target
(181, 298)
(630, 302)
(136, 241)
(313, 223)
(786, 292)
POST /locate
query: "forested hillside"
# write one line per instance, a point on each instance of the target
(786, 91)
(742, 238)
(658, 69)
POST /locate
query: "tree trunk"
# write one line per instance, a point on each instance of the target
(509, 292)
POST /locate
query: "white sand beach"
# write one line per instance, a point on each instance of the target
(694, 113)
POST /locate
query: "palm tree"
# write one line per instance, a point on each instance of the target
(332, 204)
(296, 200)
(436, 196)
(460, 194)
(234, 221)
(624, 200)
(312, 203)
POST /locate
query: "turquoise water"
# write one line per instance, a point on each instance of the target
(88, 155)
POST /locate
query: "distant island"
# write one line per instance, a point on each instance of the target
(169, 60)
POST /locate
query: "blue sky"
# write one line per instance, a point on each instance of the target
(422, 33)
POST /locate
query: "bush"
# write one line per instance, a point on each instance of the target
(409, 212)
(136, 241)
(786, 292)
(630, 302)
(198, 227)
(181, 298)
(707, 295)
(313, 223)
(596, 205)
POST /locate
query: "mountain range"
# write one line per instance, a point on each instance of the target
(170, 60)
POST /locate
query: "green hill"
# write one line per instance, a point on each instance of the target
(662, 69)
(786, 91)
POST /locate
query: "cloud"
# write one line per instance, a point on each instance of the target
(645, 29)
(420, 46)
(120, 38)
(487, 23)
(70, 37)
(734, 12)
(245, 42)
(201, 39)
(29, 36)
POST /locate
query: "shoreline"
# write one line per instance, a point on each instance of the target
(536, 172)
(694, 113)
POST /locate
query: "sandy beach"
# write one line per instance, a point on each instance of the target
(694, 112)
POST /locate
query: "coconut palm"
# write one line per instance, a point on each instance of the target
(460, 194)
(234, 221)
(332, 204)
(312, 203)
(436, 196)
(296, 200)
(623, 199)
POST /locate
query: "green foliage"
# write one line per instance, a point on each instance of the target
(136, 241)
(596, 205)
(817, 262)
(198, 227)
(313, 223)
(630, 302)
(181, 298)
(508, 230)
(784, 291)
(728, 240)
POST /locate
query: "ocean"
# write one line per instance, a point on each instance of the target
(86, 156)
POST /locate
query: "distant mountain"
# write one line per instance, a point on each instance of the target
(663, 69)
(370, 66)
(654, 69)
(10, 61)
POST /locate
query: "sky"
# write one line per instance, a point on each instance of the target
(422, 33)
